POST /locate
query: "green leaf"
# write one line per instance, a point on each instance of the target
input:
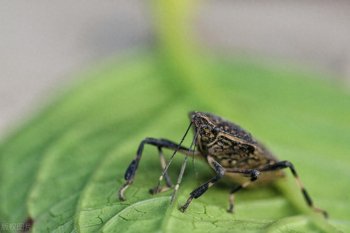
(64, 167)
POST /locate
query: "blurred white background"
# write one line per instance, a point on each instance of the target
(43, 43)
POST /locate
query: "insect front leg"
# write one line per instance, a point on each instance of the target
(131, 170)
(286, 164)
(220, 171)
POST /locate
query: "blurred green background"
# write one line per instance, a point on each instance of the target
(43, 45)
(63, 167)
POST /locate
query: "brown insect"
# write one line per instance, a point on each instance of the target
(229, 150)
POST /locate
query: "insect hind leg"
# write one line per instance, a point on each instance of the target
(286, 164)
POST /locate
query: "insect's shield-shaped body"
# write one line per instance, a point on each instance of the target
(228, 149)
(230, 145)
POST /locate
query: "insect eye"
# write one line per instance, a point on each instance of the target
(216, 129)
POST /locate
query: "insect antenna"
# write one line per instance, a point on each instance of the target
(172, 157)
(193, 152)
(183, 167)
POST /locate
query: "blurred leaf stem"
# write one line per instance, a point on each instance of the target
(180, 53)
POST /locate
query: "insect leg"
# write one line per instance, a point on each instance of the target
(253, 177)
(179, 179)
(231, 198)
(183, 167)
(287, 164)
(163, 165)
(220, 171)
(131, 170)
(178, 147)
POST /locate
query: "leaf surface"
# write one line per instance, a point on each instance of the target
(64, 167)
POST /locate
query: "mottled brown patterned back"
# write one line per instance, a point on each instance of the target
(228, 143)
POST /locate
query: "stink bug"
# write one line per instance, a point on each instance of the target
(228, 149)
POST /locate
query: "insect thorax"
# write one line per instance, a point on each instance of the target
(227, 143)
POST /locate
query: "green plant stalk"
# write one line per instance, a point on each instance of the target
(180, 53)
